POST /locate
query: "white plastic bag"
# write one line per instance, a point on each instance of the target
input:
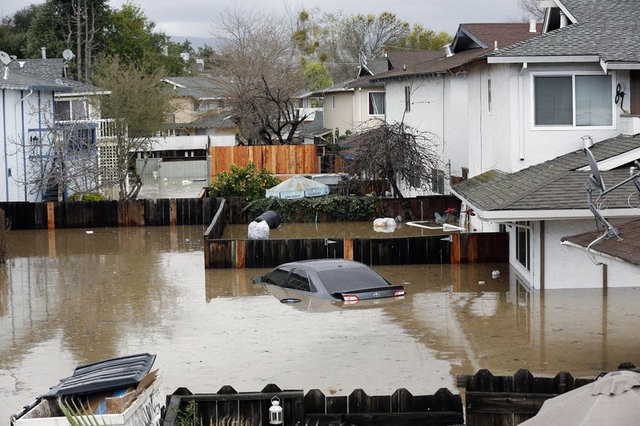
(258, 230)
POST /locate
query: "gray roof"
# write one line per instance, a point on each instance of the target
(50, 70)
(553, 185)
(195, 87)
(608, 29)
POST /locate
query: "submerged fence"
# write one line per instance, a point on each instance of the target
(433, 249)
(315, 408)
(99, 214)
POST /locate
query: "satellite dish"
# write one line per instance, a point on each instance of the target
(67, 54)
(595, 173)
(4, 58)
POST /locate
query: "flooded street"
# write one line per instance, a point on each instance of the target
(72, 297)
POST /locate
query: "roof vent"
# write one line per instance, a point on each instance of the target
(44, 52)
(447, 50)
(495, 45)
(532, 26)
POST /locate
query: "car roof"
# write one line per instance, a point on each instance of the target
(326, 264)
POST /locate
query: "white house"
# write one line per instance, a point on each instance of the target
(542, 100)
(436, 94)
(26, 123)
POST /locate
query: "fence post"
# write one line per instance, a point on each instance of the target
(51, 216)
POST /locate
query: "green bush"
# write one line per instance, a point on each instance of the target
(240, 182)
(87, 197)
(337, 208)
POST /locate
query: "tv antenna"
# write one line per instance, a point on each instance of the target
(6, 60)
(595, 181)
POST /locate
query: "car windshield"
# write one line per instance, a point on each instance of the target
(342, 280)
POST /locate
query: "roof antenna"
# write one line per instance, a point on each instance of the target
(595, 181)
(6, 60)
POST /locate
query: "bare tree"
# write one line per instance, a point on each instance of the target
(260, 76)
(60, 160)
(533, 8)
(138, 104)
(395, 153)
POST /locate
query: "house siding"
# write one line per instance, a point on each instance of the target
(341, 117)
(506, 139)
(22, 114)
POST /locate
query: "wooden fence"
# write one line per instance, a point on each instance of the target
(99, 214)
(314, 408)
(510, 400)
(277, 159)
(434, 249)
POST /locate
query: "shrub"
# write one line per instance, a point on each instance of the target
(240, 182)
(87, 197)
(337, 208)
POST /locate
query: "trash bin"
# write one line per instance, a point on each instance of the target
(272, 218)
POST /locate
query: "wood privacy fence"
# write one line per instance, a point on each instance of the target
(277, 159)
(98, 214)
(510, 400)
(252, 408)
(433, 249)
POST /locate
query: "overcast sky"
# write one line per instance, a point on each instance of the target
(196, 18)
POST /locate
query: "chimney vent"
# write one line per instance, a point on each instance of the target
(44, 52)
(447, 50)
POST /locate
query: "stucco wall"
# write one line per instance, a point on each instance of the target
(506, 139)
(339, 115)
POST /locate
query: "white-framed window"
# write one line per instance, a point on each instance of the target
(77, 109)
(573, 100)
(407, 98)
(376, 103)
(523, 244)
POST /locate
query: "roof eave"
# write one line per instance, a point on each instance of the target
(540, 215)
(542, 59)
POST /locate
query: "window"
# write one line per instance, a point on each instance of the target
(523, 244)
(437, 181)
(573, 100)
(299, 280)
(333, 101)
(376, 103)
(71, 110)
(407, 98)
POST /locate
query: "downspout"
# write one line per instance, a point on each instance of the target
(521, 112)
(542, 262)
(24, 143)
(4, 139)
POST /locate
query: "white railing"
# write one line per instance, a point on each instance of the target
(106, 128)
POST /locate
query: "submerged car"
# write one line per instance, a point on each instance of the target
(332, 279)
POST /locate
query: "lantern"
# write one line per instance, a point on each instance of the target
(275, 412)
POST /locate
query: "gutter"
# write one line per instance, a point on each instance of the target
(540, 215)
(541, 59)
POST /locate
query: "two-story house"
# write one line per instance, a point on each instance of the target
(436, 93)
(541, 102)
(26, 129)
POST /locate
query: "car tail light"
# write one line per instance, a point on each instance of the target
(398, 293)
(350, 298)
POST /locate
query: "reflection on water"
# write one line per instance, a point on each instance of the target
(69, 297)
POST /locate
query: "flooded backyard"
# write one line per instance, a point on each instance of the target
(72, 297)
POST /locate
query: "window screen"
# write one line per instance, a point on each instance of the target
(554, 101)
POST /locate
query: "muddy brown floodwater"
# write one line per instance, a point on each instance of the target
(71, 297)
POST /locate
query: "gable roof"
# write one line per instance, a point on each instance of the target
(403, 59)
(627, 249)
(52, 70)
(471, 43)
(19, 80)
(554, 185)
(603, 31)
(194, 87)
